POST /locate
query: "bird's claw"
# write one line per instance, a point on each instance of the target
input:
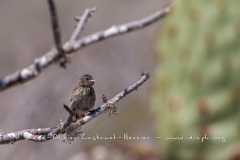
(92, 111)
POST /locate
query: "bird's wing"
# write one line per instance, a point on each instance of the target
(74, 93)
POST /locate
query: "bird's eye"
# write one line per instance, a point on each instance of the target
(87, 79)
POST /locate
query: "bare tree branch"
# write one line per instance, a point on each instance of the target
(116, 30)
(82, 23)
(55, 26)
(69, 47)
(45, 134)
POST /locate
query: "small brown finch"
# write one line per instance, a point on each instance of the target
(83, 96)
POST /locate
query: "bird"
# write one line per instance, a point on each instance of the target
(83, 96)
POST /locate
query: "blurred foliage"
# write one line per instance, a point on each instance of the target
(198, 89)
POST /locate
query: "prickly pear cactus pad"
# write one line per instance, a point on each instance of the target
(196, 96)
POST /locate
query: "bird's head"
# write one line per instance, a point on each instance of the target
(86, 80)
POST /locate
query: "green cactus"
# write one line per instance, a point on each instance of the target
(197, 91)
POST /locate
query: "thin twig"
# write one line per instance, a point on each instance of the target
(45, 134)
(62, 59)
(55, 25)
(43, 62)
(81, 23)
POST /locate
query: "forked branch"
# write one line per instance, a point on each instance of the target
(74, 44)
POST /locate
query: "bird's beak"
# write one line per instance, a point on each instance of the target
(92, 80)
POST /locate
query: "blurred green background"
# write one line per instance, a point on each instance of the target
(193, 55)
(198, 90)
